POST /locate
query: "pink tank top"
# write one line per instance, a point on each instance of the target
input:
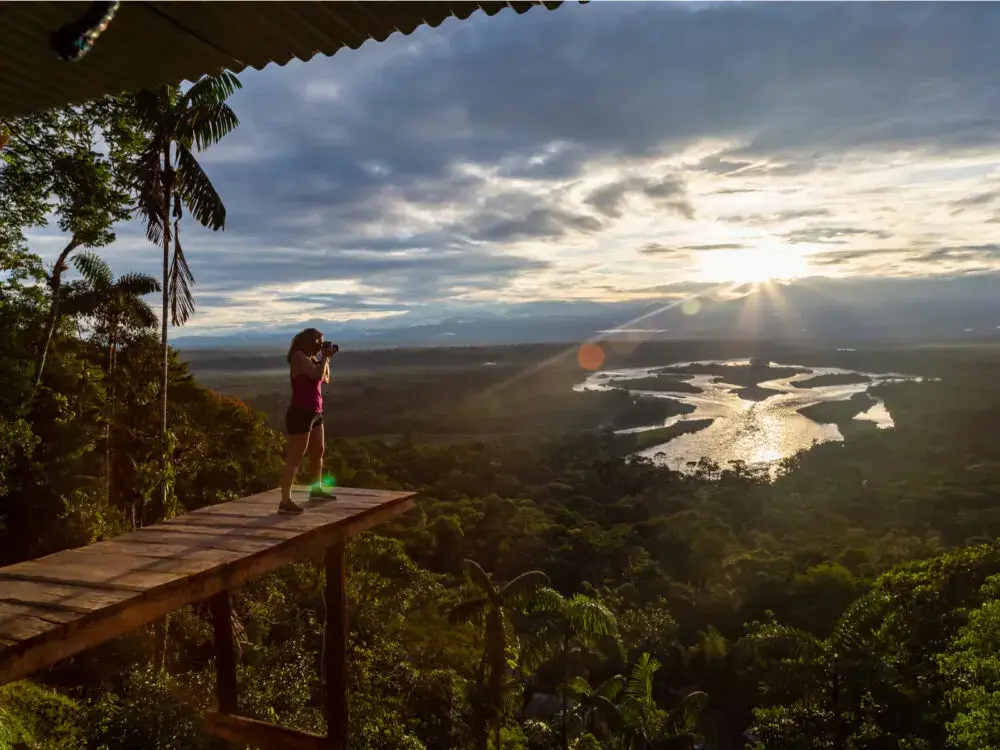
(307, 394)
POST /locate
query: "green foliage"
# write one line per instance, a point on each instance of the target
(151, 710)
(32, 716)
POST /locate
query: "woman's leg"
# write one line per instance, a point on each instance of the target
(315, 450)
(317, 446)
(296, 448)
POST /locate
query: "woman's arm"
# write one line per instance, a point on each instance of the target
(303, 364)
(326, 370)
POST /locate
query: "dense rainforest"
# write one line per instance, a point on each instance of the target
(850, 603)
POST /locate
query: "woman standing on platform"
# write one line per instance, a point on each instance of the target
(309, 368)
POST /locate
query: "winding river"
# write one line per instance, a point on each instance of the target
(756, 432)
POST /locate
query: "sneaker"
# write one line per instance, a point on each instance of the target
(319, 494)
(289, 508)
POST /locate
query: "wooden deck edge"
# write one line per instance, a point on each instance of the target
(243, 731)
(106, 623)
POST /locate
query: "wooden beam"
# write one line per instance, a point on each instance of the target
(243, 731)
(335, 648)
(225, 651)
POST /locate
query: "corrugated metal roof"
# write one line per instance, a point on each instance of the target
(150, 43)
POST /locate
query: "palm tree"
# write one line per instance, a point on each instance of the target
(596, 709)
(648, 725)
(117, 309)
(568, 627)
(491, 607)
(168, 177)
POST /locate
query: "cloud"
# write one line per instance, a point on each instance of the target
(528, 157)
(836, 235)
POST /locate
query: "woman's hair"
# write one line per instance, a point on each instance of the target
(303, 340)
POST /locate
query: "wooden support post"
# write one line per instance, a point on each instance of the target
(225, 653)
(335, 648)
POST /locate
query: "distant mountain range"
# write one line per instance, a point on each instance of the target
(816, 309)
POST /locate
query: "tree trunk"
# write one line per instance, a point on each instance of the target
(160, 628)
(164, 377)
(55, 282)
(108, 428)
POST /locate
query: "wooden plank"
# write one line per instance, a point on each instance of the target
(225, 651)
(243, 731)
(124, 592)
(335, 677)
(77, 599)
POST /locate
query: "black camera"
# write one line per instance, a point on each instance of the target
(330, 348)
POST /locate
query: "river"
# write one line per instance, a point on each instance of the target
(756, 432)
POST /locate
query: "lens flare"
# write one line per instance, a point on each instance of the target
(691, 306)
(590, 356)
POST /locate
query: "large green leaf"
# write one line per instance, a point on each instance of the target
(476, 576)
(213, 89)
(148, 184)
(520, 591)
(137, 284)
(206, 125)
(181, 281)
(94, 269)
(197, 191)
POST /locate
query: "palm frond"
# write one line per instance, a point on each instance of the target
(181, 281)
(213, 89)
(519, 592)
(478, 577)
(639, 687)
(611, 688)
(141, 315)
(137, 284)
(856, 627)
(546, 601)
(579, 687)
(94, 270)
(206, 125)
(540, 645)
(199, 194)
(151, 105)
(147, 180)
(685, 716)
(589, 619)
(467, 611)
(83, 303)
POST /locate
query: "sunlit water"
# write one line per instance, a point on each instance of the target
(762, 432)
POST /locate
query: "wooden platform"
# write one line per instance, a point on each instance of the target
(59, 605)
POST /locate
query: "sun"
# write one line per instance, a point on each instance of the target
(750, 265)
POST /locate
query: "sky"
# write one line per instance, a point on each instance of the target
(603, 152)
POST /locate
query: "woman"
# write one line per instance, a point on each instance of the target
(309, 367)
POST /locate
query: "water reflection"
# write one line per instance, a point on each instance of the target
(761, 432)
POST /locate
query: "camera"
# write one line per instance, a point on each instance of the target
(330, 348)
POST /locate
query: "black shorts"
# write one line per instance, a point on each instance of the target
(299, 421)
